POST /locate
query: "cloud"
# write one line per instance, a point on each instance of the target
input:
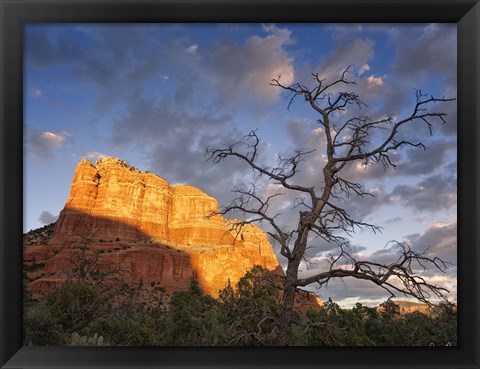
(391, 93)
(439, 239)
(434, 193)
(43, 143)
(375, 81)
(394, 220)
(356, 52)
(54, 139)
(96, 59)
(36, 92)
(192, 49)
(415, 161)
(427, 50)
(245, 71)
(364, 68)
(308, 136)
(341, 290)
(423, 54)
(164, 123)
(94, 155)
(47, 46)
(47, 218)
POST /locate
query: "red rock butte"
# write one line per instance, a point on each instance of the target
(161, 234)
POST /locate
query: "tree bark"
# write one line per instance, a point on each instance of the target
(286, 315)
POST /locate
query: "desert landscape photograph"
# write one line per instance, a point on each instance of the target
(240, 184)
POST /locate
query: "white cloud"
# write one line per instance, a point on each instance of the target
(41, 143)
(192, 49)
(54, 138)
(94, 155)
(355, 53)
(36, 92)
(375, 81)
(364, 68)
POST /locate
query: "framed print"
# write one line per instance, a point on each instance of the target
(236, 184)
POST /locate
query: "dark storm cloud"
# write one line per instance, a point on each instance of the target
(436, 192)
(47, 217)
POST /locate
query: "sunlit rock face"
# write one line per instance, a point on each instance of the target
(190, 219)
(112, 200)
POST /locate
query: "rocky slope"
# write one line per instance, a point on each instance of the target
(119, 221)
(407, 307)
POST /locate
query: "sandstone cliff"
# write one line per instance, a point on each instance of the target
(119, 220)
(112, 200)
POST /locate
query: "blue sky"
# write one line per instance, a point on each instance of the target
(155, 95)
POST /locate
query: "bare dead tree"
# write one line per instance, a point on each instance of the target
(359, 139)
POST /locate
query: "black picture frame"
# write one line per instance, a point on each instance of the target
(16, 13)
